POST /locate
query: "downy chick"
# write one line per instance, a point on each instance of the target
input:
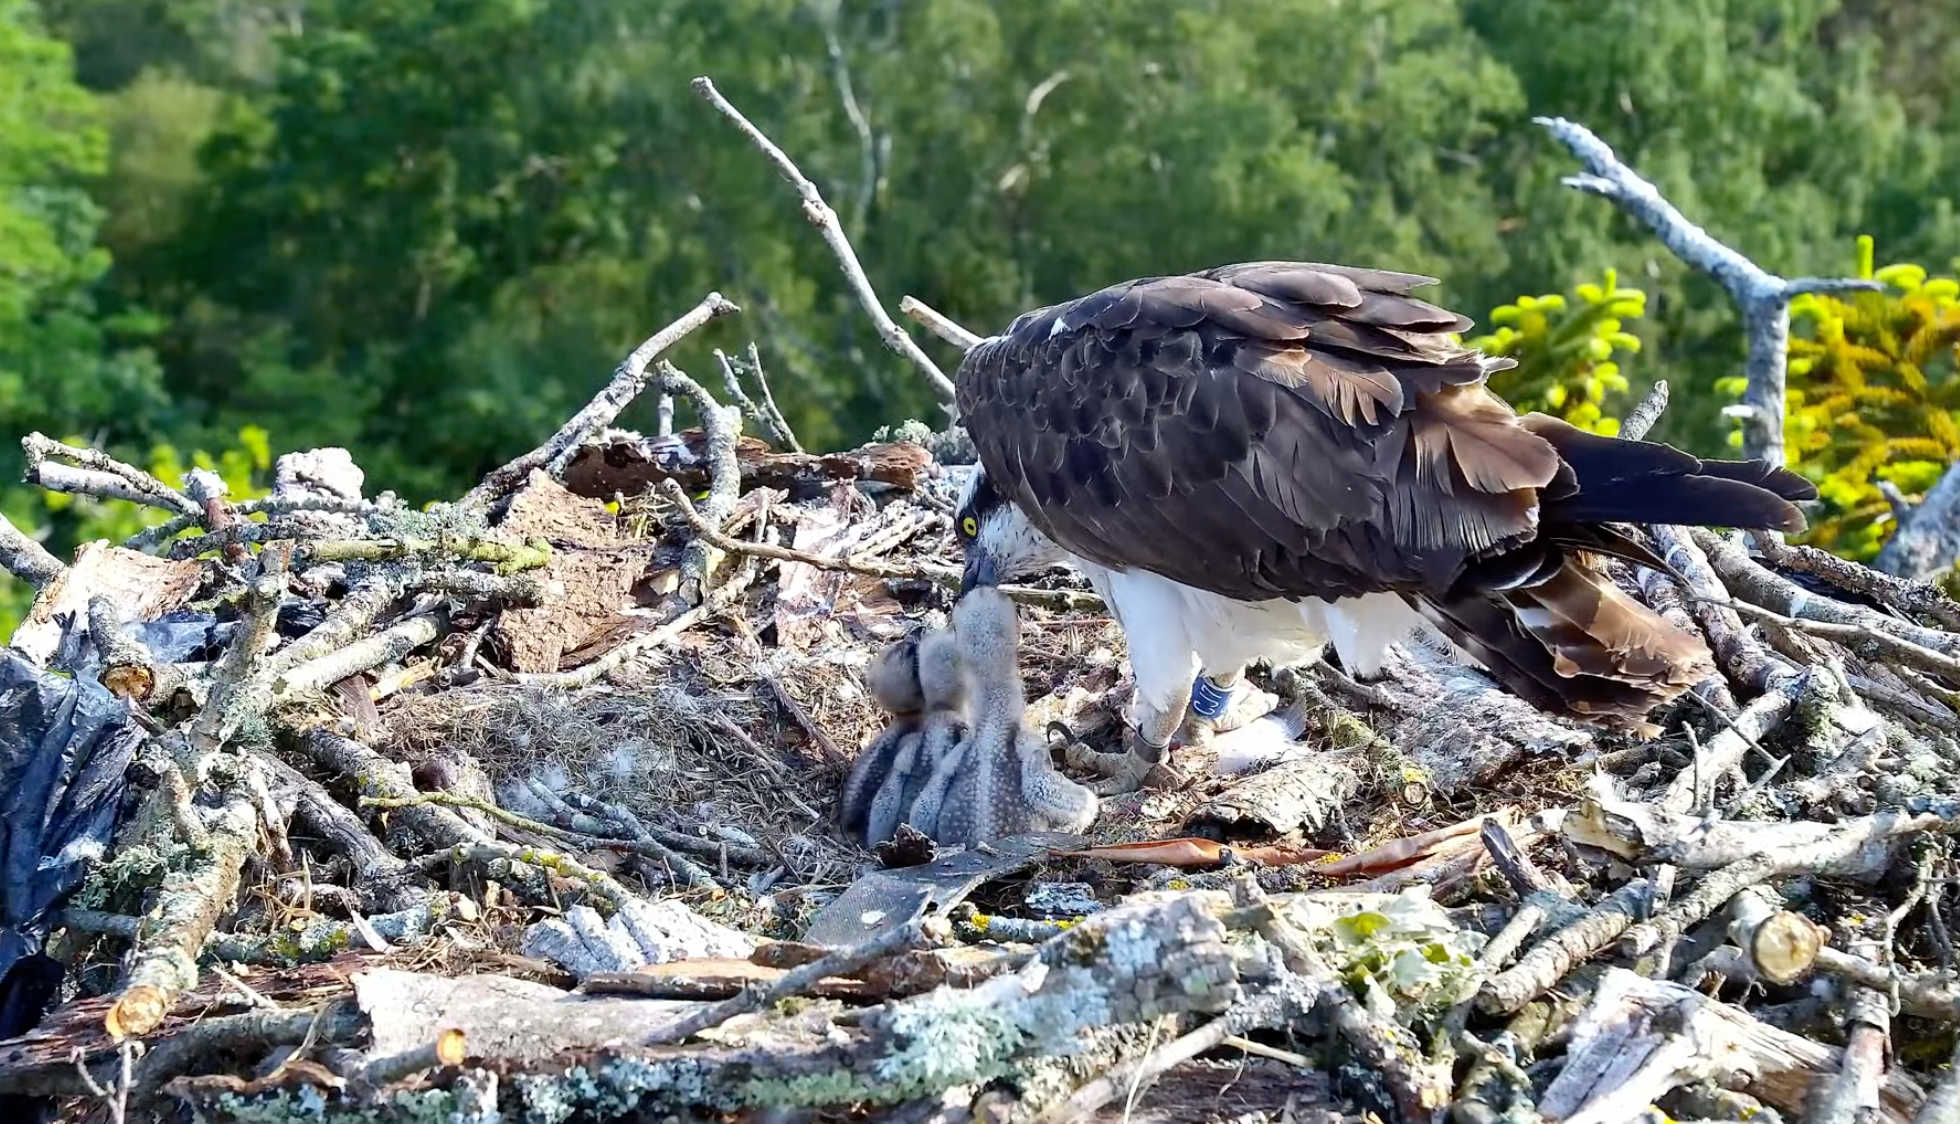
(893, 679)
(942, 734)
(1003, 782)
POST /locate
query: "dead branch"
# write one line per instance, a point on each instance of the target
(1725, 751)
(825, 220)
(1912, 597)
(722, 425)
(913, 936)
(764, 414)
(1553, 958)
(938, 323)
(628, 380)
(1640, 1038)
(1642, 417)
(128, 668)
(1761, 297)
(185, 915)
(100, 475)
(373, 775)
(26, 559)
(392, 643)
(1748, 581)
(1715, 890)
(270, 506)
(1927, 539)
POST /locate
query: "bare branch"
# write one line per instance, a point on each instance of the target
(1642, 417)
(96, 473)
(938, 323)
(825, 220)
(628, 380)
(1762, 297)
(26, 559)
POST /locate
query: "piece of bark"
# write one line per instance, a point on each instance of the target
(904, 974)
(621, 463)
(588, 582)
(1304, 795)
(1641, 1038)
(1459, 728)
(139, 586)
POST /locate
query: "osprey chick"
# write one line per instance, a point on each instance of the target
(1259, 460)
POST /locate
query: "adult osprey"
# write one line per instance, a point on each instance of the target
(1256, 461)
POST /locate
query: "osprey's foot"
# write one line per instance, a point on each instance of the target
(1219, 707)
(1140, 765)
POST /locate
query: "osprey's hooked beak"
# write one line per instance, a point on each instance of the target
(980, 569)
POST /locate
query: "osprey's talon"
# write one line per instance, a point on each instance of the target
(1140, 765)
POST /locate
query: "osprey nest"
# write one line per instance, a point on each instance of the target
(524, 807)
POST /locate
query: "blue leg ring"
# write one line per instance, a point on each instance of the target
(1208, 699)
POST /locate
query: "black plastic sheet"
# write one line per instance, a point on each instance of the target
(65, 745)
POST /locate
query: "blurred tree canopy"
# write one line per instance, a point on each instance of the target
(427, 229)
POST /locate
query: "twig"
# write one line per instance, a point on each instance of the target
(938, 323)
(1855, 635)
(1853, 1094)
(628, 380)
(99, 475)
(924, 933)
(1909, 596)
(1065, 600)
(688, 872)
(832, 755)
(1083, 1103)
(1762, 297)
(602, 884)
(1642, 417)
(1726, 750)
(764, 414)
(26, 559)
(825, 220)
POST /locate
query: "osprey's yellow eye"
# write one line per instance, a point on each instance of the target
(970, 527)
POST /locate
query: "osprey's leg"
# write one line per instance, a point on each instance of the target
(1222, 703)
(1163, 695)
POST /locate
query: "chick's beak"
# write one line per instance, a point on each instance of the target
(980, 570)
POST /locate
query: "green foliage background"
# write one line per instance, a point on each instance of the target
(427, 229)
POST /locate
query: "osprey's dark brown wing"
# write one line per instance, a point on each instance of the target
(1285, 429)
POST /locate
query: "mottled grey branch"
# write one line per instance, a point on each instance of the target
(26, 559)
(96, 473)
(1642, 417)
(1762, 297)
(1927, 541)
